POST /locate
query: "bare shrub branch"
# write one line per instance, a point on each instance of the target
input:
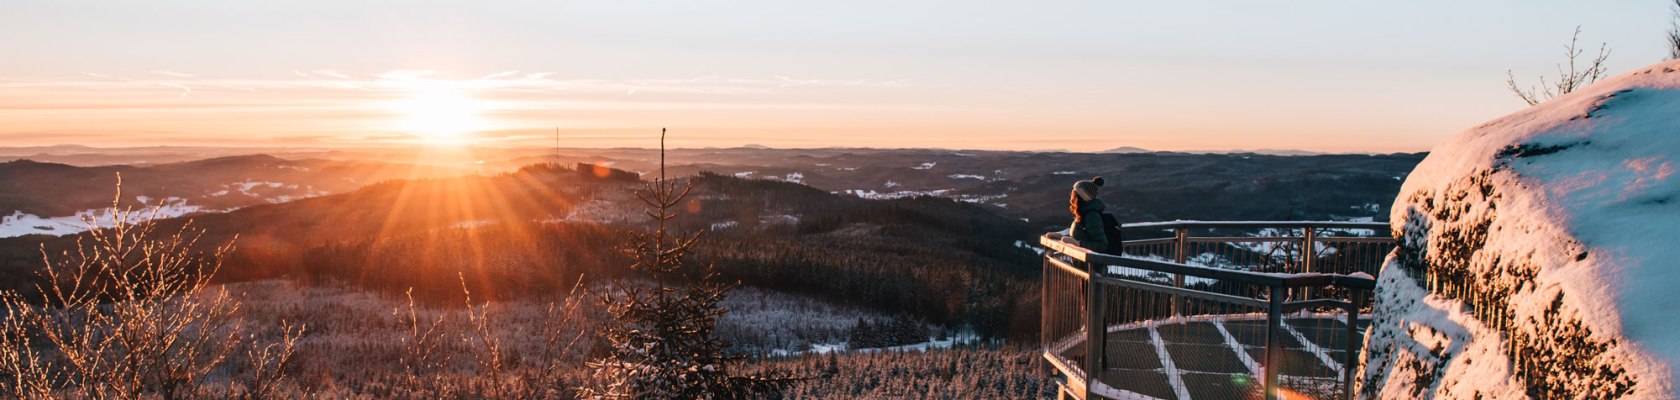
(123, 314)
(423, 352)
(1674, 32)
(557, 352)
(1570, 77)
(270, 362)
(488, 352)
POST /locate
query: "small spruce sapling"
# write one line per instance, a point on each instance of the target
(660, 338)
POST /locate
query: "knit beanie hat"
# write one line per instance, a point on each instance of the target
(1086, 190)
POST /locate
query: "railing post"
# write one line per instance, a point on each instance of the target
(1095, 330)
(1352, 360)
(1045, 308)
(1308, 252)
(1274, 341)
(1182, 235)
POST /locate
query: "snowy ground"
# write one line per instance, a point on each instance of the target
(1412, 327)
(762, 321)
(901, 194)
(19, 224)
(933, 343)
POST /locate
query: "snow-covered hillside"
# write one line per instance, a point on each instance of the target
(1538, 254)
(20, 224)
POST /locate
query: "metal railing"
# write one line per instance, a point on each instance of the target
(1193, 309)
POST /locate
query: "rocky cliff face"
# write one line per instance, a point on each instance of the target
(1540, 254)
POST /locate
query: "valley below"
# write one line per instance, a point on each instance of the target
(841, 255)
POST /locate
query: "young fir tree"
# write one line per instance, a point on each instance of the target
(863, 335)
(661, 338)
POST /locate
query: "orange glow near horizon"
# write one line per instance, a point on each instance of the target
(431, 109)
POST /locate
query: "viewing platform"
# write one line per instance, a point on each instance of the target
(1204, 310)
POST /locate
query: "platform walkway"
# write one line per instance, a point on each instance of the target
(1201, 312)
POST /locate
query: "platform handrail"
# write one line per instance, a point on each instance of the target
(1077, 268)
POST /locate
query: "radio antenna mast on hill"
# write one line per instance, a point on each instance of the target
(557, 146)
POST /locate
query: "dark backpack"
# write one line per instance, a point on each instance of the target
(1111, 228)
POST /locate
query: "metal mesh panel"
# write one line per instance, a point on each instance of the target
(1064, 321)
(1173, 332)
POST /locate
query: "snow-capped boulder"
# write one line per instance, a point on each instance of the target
(1540, 254)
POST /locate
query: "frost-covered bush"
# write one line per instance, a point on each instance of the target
(354, 350)
(129, 312)
(766, 323)
(958, 373)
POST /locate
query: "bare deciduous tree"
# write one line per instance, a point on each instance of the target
(1674, 33)
(129, 313)
(1570, 77)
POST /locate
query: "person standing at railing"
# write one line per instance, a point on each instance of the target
(1088, 230)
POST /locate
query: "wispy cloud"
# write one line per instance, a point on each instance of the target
(332, 74)
(172, 73)
(405, 74)
(499, 75)
(184, 89)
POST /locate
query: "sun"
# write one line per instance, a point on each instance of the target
(440, 116)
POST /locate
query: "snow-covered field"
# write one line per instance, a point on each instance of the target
(767, 322)
(19, 224)
(603, 211)
(980, 198)
(905, 194)
(901, 194)
(718, 226)
(962, 338)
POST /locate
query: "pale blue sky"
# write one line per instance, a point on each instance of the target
(1316, 75)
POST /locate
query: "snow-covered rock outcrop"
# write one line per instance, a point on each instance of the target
(1540, 254)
